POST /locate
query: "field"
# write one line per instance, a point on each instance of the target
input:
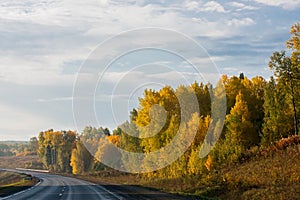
(12, 162)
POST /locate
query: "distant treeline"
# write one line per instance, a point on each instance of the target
(15, 148)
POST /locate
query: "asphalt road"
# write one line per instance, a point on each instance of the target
(55, 187)
(52, 187)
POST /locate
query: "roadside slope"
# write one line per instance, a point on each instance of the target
(13, 182)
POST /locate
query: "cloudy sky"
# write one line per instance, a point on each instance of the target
(44, 43)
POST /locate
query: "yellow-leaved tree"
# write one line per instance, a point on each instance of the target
(239, 127)
(81, 159)
(76, 162)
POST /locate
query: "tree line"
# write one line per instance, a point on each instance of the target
(258, 113)
(13, 148)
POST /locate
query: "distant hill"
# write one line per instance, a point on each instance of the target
(10, 142)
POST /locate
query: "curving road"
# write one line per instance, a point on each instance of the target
(55, 187)
(58, 187)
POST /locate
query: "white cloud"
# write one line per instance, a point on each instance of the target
(241, 6)
(286, 4)
(230, 69)
(56, 99)
(210, 6)
(95, 21)
(213, 6)
(34, 70)
(240, 22)
(192, 5)
(104, 2)
(51, 33)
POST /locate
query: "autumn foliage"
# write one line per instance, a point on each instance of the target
(261, 118)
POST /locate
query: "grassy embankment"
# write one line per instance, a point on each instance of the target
(12, 182)
(263, 173)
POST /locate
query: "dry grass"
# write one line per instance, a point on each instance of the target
(12, 182)
(274, 176)
(12, 162)
(265, 173)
